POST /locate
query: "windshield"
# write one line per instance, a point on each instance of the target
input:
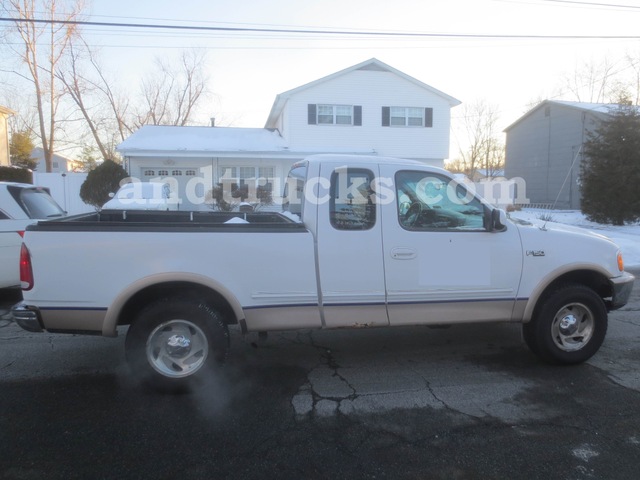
(36, 202)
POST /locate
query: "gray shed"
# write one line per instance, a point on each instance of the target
(544, 147)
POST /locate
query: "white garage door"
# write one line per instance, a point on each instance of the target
(178, 179)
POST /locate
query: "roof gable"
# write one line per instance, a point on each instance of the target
(38, 154)
(372, 65)
(6, 111)
(598, 109)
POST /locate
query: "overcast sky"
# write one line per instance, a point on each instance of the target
(247, 70)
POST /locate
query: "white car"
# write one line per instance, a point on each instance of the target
(142, 196)
(21, 204)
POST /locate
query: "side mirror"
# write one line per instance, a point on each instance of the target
(112, 194)
(498, 220)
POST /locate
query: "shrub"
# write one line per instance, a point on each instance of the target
(100, 182)
(15, 174)
(610, 173)
(20, 149)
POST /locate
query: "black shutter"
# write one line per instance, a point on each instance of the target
(428, 117)
(357, 115)
(386, 116)
(311, 114)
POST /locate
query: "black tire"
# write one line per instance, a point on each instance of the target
(174, 344)
(568, 327)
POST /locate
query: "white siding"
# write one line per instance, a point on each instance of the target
(372, 90)
(4, 141)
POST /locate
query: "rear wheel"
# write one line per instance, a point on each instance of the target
(568, 327)
(173, 344)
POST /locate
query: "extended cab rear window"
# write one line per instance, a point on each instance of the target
(293, 195)
(352, 205)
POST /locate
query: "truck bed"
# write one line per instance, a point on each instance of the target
(149, 220)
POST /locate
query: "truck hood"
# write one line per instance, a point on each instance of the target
(567, 245)
(558, 227)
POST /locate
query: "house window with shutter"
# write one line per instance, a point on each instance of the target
(324, 114)
(407, 117)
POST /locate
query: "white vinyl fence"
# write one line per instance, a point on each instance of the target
(65, 189)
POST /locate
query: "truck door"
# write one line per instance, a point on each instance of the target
(442, 264)
(349, 243)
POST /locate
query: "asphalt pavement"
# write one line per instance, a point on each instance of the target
(465, 402)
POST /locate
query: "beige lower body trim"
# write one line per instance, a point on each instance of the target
(73, 320)
(355, 316)
(262, 319)
(450, 312)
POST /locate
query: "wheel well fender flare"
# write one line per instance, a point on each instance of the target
(123, 300)
(588, 275)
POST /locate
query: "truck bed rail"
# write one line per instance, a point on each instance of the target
(146, 220)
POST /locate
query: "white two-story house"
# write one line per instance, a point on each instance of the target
(369, 108)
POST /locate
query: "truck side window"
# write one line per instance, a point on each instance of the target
(294, 189)
(352, 204)
(430, 201)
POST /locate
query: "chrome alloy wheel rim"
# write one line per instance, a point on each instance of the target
(572, 327)
(177, 348)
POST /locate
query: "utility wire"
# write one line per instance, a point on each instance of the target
(314, 32)
(590, 4)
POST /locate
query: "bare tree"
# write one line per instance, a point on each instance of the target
(631, 87)
(118, 104)
(482, 147)
(78, 88)
(170, 95)
(636, 77)
(102, 111)
(591, 82)
(43, 46)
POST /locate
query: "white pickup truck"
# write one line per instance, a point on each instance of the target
(379, 242)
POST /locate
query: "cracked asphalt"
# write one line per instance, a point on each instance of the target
(465, 402)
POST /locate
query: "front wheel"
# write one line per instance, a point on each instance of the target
(568, 327)
(174, 344)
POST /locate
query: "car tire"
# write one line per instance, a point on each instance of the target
(173, 345)
(569, 325)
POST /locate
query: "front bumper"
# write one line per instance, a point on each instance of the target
(621, 287)
(27, 317)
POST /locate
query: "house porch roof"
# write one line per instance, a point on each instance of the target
(201, 140)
